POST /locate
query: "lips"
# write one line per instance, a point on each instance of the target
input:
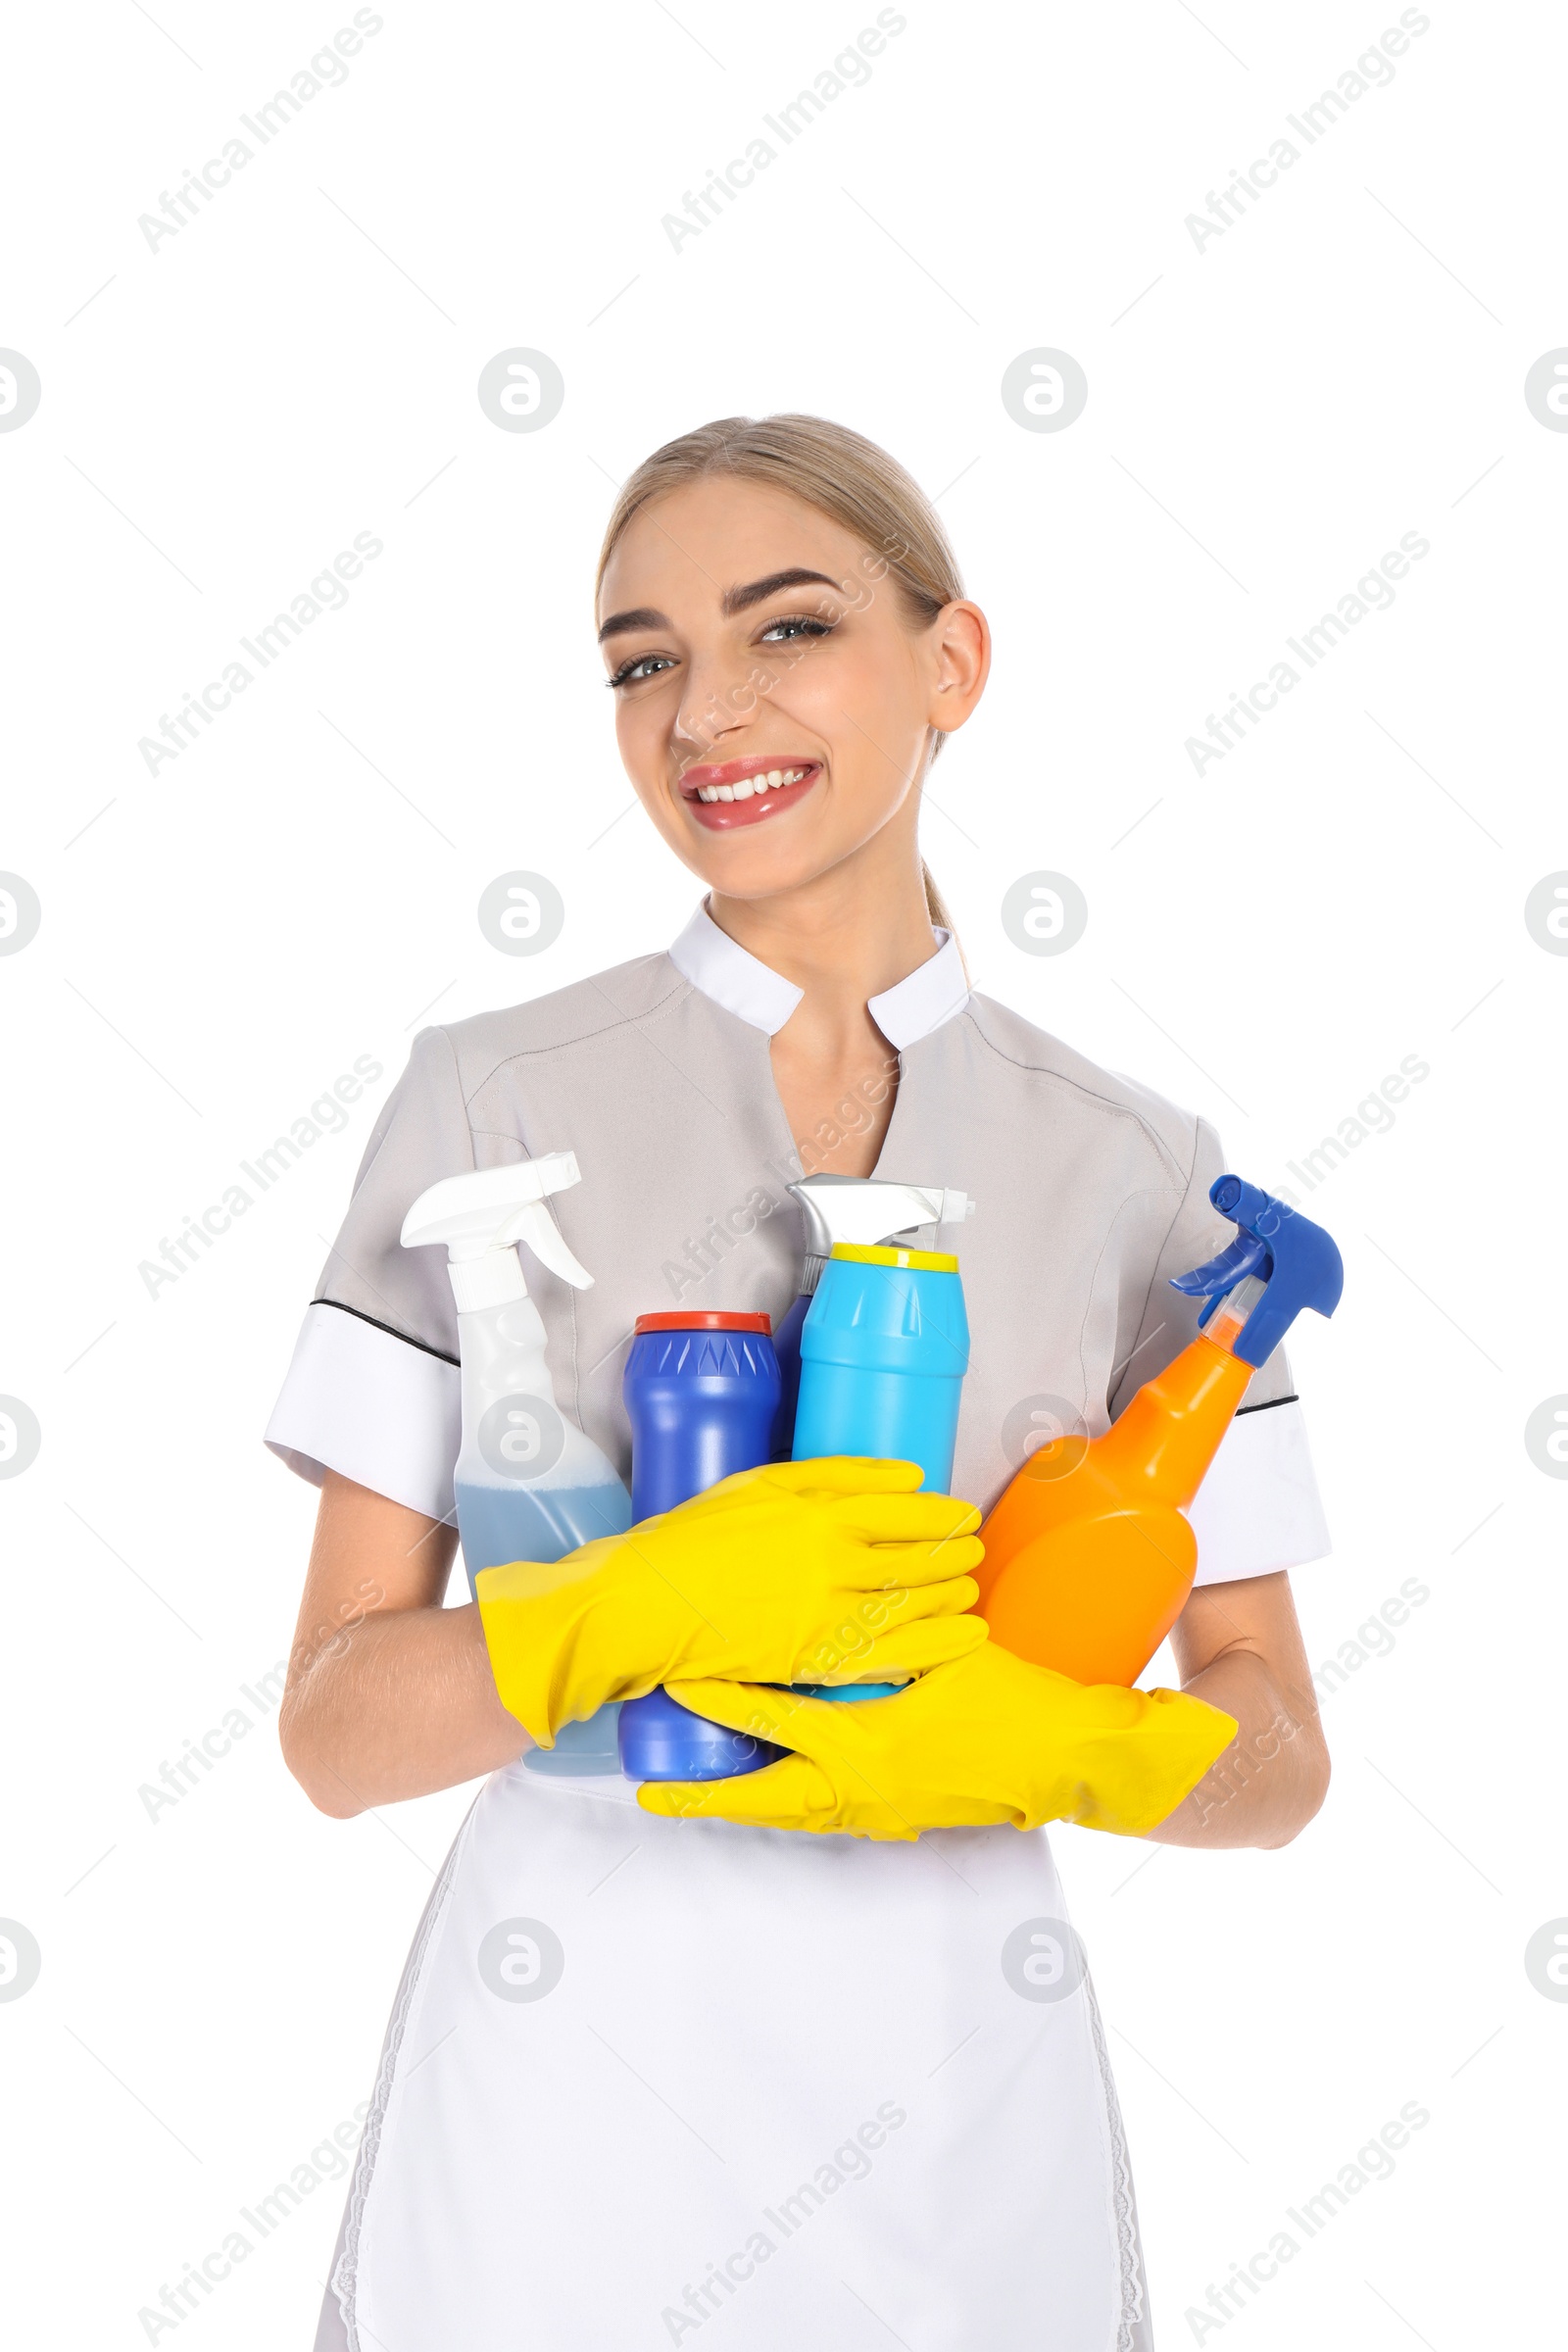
(746, 792)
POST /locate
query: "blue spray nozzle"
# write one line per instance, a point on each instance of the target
(1297, 1261)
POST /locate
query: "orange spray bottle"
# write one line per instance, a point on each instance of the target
(1089, 1558)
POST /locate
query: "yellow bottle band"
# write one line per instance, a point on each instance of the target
(921, 1262)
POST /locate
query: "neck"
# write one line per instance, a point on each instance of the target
(845, 935)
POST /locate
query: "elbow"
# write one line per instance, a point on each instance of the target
(325, 1788)
(1315, 1772)
(327, 1792)
(329, 1798)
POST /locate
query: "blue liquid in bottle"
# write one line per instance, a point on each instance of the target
(500, 1524)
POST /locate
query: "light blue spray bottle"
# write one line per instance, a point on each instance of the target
(884, 1340)
(880, 1326)
(530, 1486)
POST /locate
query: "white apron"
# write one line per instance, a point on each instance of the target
(645, 2076)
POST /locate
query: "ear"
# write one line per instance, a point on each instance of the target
(960, 647)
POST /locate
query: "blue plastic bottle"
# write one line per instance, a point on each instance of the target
(884, 1341)
(883, 1354)
(701, 1390)
(848, 1209)
(702, 1393)
(880, 1340)
(786, 1348)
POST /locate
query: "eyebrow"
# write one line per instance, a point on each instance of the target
(757, 592)
(735, 600)
(619, 624)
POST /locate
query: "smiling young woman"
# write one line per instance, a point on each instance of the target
(735, 2005)
(842, 667)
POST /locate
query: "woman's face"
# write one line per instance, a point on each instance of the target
(772, 701)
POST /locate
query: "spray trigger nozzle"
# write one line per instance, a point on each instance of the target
(482, 1215)
(1297, 1261)
(872, 1211)
(1247, 1254)
(534, 1225)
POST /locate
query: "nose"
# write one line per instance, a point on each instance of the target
(719, 700)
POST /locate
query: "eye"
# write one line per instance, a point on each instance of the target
(642, 665)
(793, 625)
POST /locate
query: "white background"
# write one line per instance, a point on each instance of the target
(221, 940)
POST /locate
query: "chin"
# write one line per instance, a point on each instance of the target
(756, 875)
(757, 860)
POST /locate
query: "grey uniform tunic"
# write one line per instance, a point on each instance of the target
(695, 2116)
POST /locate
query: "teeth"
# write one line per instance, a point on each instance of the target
(751, 786)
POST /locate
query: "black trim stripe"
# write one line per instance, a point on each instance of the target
(442, 1356)
(423, 1346)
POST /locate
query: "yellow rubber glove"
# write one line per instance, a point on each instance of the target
(985, 1739)
(830, 1570)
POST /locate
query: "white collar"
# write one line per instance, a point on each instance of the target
(722, 969)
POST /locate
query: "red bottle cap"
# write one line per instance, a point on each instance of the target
(706, 1319)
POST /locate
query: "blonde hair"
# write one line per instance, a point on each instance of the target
(846, 477)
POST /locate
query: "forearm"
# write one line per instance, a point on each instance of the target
(1273, 1776)
(402, 1703)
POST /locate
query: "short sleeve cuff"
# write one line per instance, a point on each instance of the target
(1259, 1509)
(375, 1407)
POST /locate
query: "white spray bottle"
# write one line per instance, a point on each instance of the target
(530, 1486)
